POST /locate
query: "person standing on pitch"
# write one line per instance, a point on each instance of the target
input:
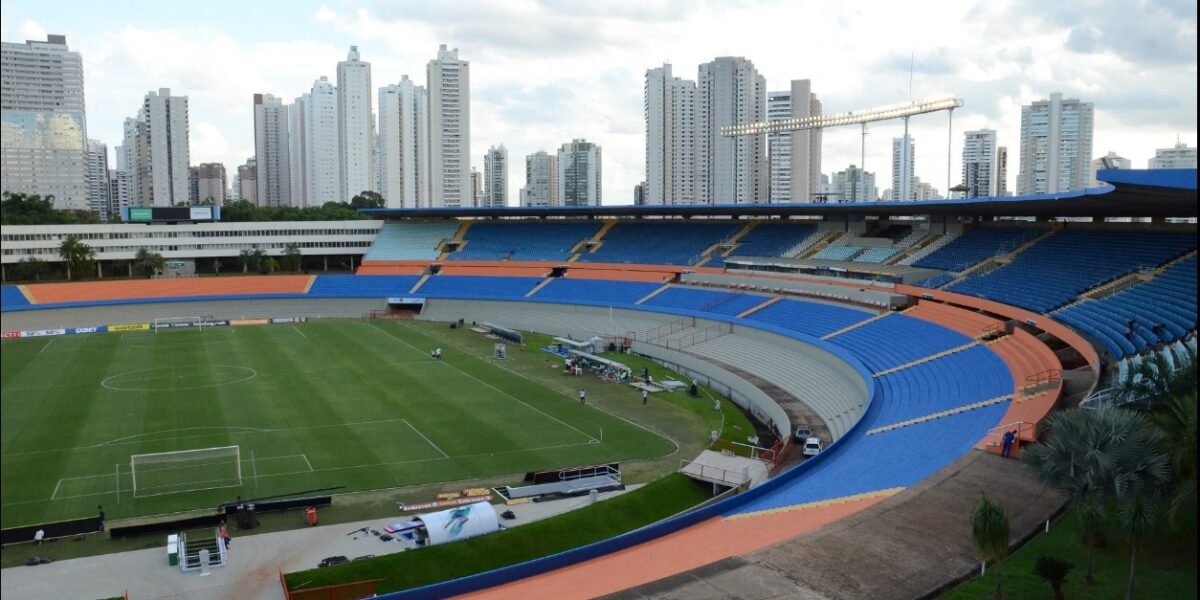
(582, 396)
(645, 397)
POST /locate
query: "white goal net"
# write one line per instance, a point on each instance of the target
(170, 323)
(161, 473)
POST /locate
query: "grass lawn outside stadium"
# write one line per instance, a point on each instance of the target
(347, 403)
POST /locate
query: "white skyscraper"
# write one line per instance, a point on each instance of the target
(297, 152)
(579, 173)
(541, 180)
(1178, 157)
(1056, 146)
(495, 177)
(97, 178)
(779, 146)
(355, 126)
(404, 176)
(853, 185)
(903, 149)
(322, 170)
(449, 129)
(44, 129)
(156, 150)
(729, 91)
(670, 110)
(979, 163)
(210, 183)
(272, 151)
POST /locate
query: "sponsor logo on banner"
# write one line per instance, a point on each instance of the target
(240, 322)
(438, 504)
(10, 334)
(200, 213)
(282, 320)
(133, 327)
(100, 329)
(221, 323)
(42, 332)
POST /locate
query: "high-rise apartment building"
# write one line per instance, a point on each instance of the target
(44, 128)
(730, 91)
(193, 185)
(355, 126)
(979, 163)
(1178, 157)
(476, 187)
(853, 185)
(297, 153)
(404, 176)
(118, 186)
(272, 151)
(1112, 160)
(670, 114)
(495, 177)
(541, 180)
(795, 157)
(246, 184)
(639, 194)
(1002, 171)
(779, 146)
(322, 162)
(157, 150)
(579, 173)
(903, 149)
(924, 191)
(210, 182)
(99, 189)
(1056, 146)
(449, 81)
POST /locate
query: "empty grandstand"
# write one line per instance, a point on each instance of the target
(524, 241)
(668, 243)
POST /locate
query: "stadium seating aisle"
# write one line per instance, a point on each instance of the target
(973, 375)
(410, 240)
(770, 239)
(725, 303)
(897, 340)
(1070, 262)
(811, 318)
(1169, 299)
(526, 241)
(11, 297)
(975, 246)
(645, 243)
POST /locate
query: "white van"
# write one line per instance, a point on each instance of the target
(812, 446)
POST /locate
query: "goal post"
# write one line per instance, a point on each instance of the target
(159, 473)
(168, 323)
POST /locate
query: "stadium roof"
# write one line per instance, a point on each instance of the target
(1128, 193)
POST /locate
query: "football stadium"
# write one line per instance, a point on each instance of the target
(750, 400)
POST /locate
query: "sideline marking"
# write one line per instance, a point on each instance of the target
(297, 329)
(47, 344)
(423, 436)
(530, 406)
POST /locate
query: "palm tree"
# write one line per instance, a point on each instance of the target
(149, 262)
(245, 257)
(270, 265)
(1176, 419)
(75, 253)
(1137, 517)
(291, 257)
(989, 527)
(1096, 456)
(1054, 571)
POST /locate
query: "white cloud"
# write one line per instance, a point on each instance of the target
(31, 30)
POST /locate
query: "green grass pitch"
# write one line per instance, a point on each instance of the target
(358, 404)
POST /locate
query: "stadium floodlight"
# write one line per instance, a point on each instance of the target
(884, 113)
(159, 473)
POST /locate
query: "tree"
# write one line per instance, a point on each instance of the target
(75, 253)
(1137, 516)
(367, 199)
(989, 528)
(291, 257)
(270, 265)
(31, 267)
(251, 260)
(1094, 456)
(150, 263)
(1054, 572)
(31, 209)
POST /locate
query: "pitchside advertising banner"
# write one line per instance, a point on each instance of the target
(133, 327)
(148, 327)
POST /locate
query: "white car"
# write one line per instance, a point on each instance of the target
(812, 446)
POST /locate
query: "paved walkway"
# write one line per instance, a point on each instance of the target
(252, 572)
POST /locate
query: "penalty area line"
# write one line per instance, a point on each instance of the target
(424, 437)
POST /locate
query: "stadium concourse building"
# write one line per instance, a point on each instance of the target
(909, 336)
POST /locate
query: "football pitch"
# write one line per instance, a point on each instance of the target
(358, 404)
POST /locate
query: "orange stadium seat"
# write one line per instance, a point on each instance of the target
(90, 291)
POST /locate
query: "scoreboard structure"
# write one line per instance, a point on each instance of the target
(170, 214)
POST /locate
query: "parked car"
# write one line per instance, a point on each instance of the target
(812, 446)
(802, 433)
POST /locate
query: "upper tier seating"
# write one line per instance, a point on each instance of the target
(897, 340)
(524, 240)
(595, 291)
(410, 240)
(503, 288)
(669, 243)
(772, 238)
(11, 297)
(937, 244)
(362, 286)
(811, 318)
(838, 252)
(725, 303)
(976, 246)
(1169, 299)
(1059, 268)
(876, 255)
(937, 281)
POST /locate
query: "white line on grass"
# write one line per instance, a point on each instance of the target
(530, 406)
(55, 492)
(310, 469)
(47, 344)
(423, 436)
(299, 332)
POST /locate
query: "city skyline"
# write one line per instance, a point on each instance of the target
(524, 95)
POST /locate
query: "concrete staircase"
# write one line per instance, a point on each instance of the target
(855, 326)
(459, 236)
(596, 241)
(653, 294)
(940, 414)
(820, 245)
(758, 307)
(729, 244)
(926, 359)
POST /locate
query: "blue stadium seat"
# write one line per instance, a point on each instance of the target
(668, 243)
(973, 375)
(11, 297)
(362, 286)
(595, 291)
(896, 340)
(810, 318)
(838, 252)
(725, 303)
(482, 288)
(410, 240)
(977, 245)
(524, 240)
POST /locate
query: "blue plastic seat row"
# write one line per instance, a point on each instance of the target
(976, 246)
(670, 243)
(524, 240)
(897, 340)
(725, 303)
(956, 380)
(595, 291)
(810, 318)
(11, 297)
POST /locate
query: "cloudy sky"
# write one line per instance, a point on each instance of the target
(546, 71)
